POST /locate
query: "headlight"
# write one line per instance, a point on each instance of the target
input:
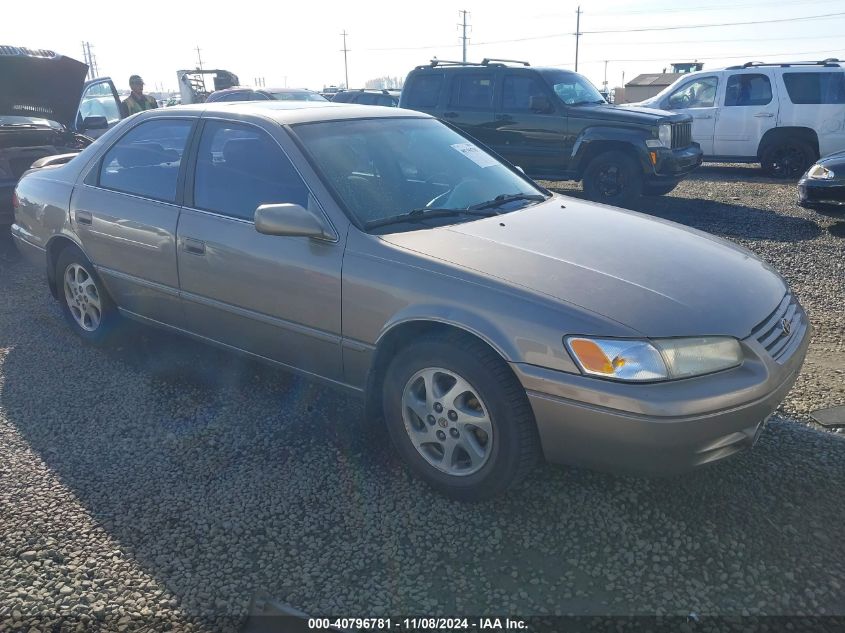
(820, 172)
(636, 360)
(664, 133)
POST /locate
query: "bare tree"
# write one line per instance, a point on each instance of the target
(381, 83)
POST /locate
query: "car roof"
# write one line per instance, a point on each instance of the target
(289, 112)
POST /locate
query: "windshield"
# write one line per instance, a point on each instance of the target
(289, 95)
(572, 88)
(382, 168)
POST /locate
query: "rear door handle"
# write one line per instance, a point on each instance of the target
(764, 115)
(192, 246)
(504, 117)
(84, 217)
(450, 115)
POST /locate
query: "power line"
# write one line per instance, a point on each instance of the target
(660, 59)
(556, 35)
(690, 9)
(706, 26)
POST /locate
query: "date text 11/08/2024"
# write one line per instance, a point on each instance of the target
(418, 624)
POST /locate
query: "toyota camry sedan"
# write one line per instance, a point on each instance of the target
(486, 322)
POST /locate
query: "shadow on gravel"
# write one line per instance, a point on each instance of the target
(720, 218)
(837, 229)
(222, 478)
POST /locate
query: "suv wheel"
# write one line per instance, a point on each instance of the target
(787, 158)
(85, 303)
(613, 178)
(458, 417)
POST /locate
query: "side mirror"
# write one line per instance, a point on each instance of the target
(540, 103)
(292, 220)
(94, 123)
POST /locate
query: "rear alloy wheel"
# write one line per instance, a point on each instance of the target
(85, 303)
(613, 178)
(787, 159)
(458, 417)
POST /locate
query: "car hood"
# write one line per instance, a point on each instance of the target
(40, 83)
(655, 276)
(635, 115)
(837, 158)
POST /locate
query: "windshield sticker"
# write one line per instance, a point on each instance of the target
(475, 155)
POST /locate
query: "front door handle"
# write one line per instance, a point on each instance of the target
(84, 217)
(704, 116)
(450, 115)
(504, 117)
(192, 246)
(764, 115)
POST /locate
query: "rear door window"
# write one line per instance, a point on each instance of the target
(748, 90)
(424, 91)
(472, 91)
(815, 88)
(240, 167)
(146, 160)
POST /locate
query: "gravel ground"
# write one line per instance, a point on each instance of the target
(161, 484)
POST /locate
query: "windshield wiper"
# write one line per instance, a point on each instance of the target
(424, 214)
(504, 198)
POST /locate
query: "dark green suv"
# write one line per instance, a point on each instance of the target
(555, 125)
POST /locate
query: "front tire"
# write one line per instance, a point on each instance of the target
(85, 303)
(613, 178)
(788, 158)
(458, 417)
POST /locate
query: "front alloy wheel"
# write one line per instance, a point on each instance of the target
(458, 417)
(447, 421)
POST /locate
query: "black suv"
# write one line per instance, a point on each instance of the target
(555, 125)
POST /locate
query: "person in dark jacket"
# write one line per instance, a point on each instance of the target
(137, 101)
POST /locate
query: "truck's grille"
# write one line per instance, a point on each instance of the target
(681, 135)
(782, 331)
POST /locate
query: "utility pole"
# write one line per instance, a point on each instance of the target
(577, 35)
(464, 35)
(605, 74)
(345, 63)
(199, 58)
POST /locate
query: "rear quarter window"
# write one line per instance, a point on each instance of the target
(815, 88)
(424, 91)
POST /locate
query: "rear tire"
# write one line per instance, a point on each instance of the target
(613, 178)
(84, 300)
(787, 158)
(458, 417)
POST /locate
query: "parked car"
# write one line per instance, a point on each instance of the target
(555, 125)
(46, 108)
(781, 115)
(822, 186)
(367, 96)
(264, 94)
(485, 319)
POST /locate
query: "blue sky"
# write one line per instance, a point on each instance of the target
(298, 44)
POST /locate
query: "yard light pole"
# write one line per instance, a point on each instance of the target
(345, 64)
(577, 34)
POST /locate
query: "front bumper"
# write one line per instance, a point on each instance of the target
(659, 427)
(812, 193)
(674, 164)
